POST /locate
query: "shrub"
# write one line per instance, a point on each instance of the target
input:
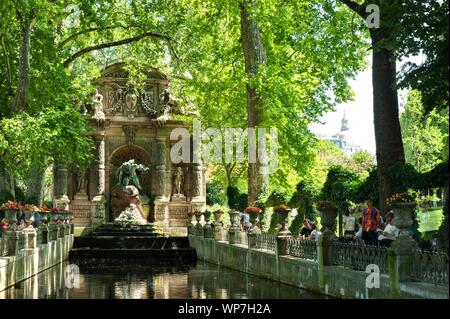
(340, 187)
(215, 194)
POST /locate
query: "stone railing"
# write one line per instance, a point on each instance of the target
(302, 248)
(357, 256)
(27, 252)
(265, 242)
(431, 267)
(325, 264)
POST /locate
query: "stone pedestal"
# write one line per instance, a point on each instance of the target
(98, 211)
(42, 234)
(53, 232)
(178, 198)
(30, 237)
(234, 233)
(162, 212)
(11, 239)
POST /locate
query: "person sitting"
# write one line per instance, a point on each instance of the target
(390, 232)
(306, 229)
(21, 224)
(315, 233)
(349, 223)
(245, 222)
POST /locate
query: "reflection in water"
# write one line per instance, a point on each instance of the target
(153, 282)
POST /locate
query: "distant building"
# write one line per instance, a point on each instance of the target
(342, 140)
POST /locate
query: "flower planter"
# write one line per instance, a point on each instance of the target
(207, 228)
(234, 218)
(198, 226)
(328, 216)
(11, 215)
(283, 215)
(402, 216)
(218, 216)
(44, 217)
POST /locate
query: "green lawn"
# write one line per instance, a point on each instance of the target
(430, 220)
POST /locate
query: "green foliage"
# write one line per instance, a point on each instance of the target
(236, 200)
(5, 196)
(423, 30)
(404, 176)
(303, 199)
(425, 137)
(215, 193)
(276, 198)
(49, 134)
(340, 187)
(297, 224)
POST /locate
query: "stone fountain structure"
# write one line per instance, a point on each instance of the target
(131, 123)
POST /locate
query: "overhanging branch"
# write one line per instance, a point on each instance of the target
(115, 44)
(355, 7)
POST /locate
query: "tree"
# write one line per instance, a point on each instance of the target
(424, 31)
(425, 137)
(389, 145)
(49, 67)
(340, 188)
(306, 57)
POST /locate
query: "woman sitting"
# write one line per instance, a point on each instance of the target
(390, 232)
(315, 233)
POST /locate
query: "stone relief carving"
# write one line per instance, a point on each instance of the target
(147, 96)
(131, 109)
(115, 98)
(130, 133)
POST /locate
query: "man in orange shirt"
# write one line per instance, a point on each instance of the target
(371, 221)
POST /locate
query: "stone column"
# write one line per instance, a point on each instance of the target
(98, 202)
(403, 254)
(61, 199)
(161, 201)
(198, 198)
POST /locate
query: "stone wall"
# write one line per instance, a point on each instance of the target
(24, 258)
(334, 281)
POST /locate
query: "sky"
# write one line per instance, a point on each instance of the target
(358, 112)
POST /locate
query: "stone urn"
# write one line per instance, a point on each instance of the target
(207, 228)
(402, 216)
(328, 217)
(218, 217)
(43, 216)
(234, 218)
(254, 213)
(54, 216)
(190, 223)
(198, 226)
(283, 214)
(11, 215)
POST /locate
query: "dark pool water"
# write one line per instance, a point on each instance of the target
(201, 281)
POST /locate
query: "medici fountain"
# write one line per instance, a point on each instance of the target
(132, 195)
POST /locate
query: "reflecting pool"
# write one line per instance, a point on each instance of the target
(202, 280)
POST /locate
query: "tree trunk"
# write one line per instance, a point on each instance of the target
(388, 137)
(35, 186)
(21, 95)
(254, 56)
(6, 180)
